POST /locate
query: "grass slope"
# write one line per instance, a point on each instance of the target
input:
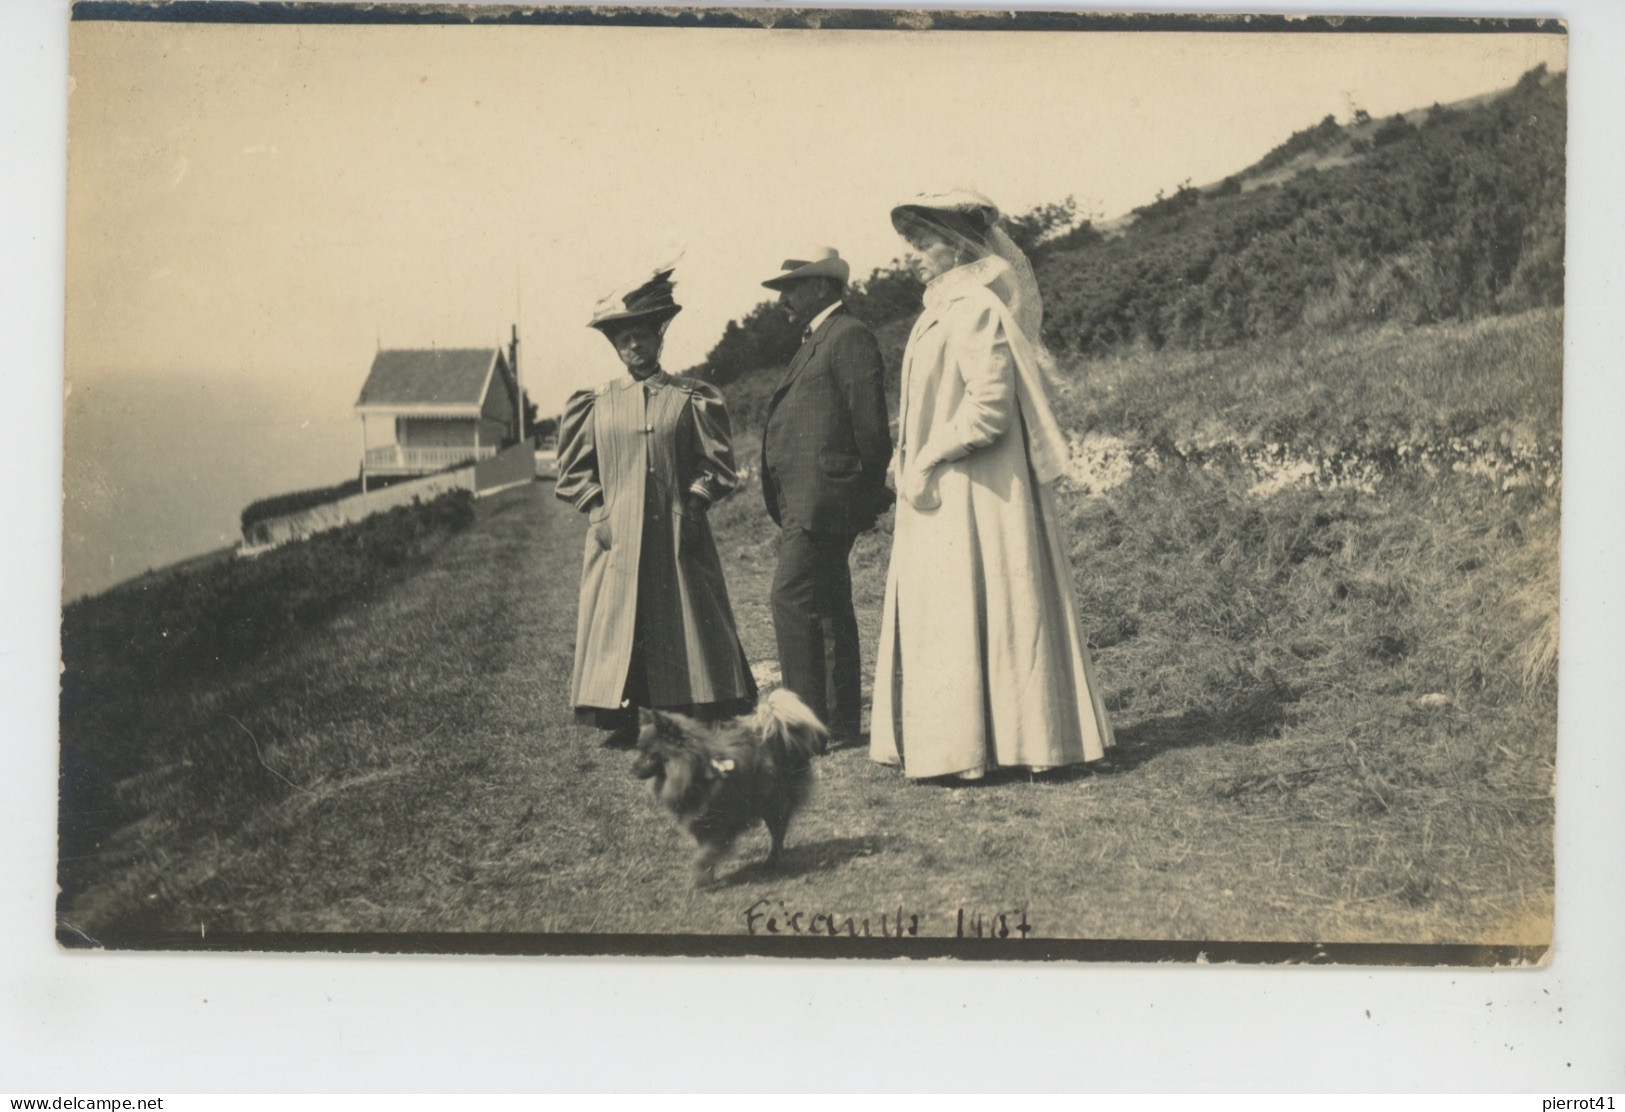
(1265, 657)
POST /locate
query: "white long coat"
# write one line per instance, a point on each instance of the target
(982, 659)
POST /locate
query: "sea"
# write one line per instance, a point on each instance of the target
(157, 470)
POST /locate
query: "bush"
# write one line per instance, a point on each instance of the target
(889, 293)
(145, 664)
(1461, 220)
(764, 337)
(280, 505)
(1032, 229)
(164, 630)
(1392, 131)
(1183, 199)
(1316, 138)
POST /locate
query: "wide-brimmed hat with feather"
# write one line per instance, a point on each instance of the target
(650, 301)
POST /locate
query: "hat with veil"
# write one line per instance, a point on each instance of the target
(969, 222)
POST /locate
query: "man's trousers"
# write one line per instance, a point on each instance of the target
(816, 627)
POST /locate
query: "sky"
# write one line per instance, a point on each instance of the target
(273, 203)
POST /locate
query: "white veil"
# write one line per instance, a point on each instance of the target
(1020, 293)
(1039, 378)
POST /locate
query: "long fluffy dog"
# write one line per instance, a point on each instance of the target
(721, 781)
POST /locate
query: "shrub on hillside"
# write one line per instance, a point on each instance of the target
(1182, 199)
(1031, 230)
(150, 668)
(1392, 131)
(889, 293)
(280, 505)
(764, 337)
(1460, 219)
(1316, 138)
(165, 630)
(297, 501)
(1439, 114)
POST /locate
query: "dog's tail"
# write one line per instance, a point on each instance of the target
(789, 726)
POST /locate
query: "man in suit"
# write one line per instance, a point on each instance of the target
(826, 445)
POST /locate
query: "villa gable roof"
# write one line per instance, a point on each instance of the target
(449, 381)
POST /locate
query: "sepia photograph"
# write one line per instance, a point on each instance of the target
(850, 483)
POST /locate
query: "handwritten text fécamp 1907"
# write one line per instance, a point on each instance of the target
(774, 917)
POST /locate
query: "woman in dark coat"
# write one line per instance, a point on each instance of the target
(645, 457)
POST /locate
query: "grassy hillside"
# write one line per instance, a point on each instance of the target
(159, 673)
(1321, 582)
(1336, 703)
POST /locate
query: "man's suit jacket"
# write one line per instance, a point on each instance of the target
(826, 442)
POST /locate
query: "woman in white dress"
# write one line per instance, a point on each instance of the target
(982, 661)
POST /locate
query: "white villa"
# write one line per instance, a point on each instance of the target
(427, 410)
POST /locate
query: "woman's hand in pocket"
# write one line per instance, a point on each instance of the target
(598, 529)
(918, 486)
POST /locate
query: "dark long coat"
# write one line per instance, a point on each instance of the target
(651, 579)
(826, 442)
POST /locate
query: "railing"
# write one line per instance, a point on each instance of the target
(396, 458)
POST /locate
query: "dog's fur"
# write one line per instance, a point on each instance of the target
(722, 780)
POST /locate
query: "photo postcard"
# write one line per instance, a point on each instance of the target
(860, 483)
